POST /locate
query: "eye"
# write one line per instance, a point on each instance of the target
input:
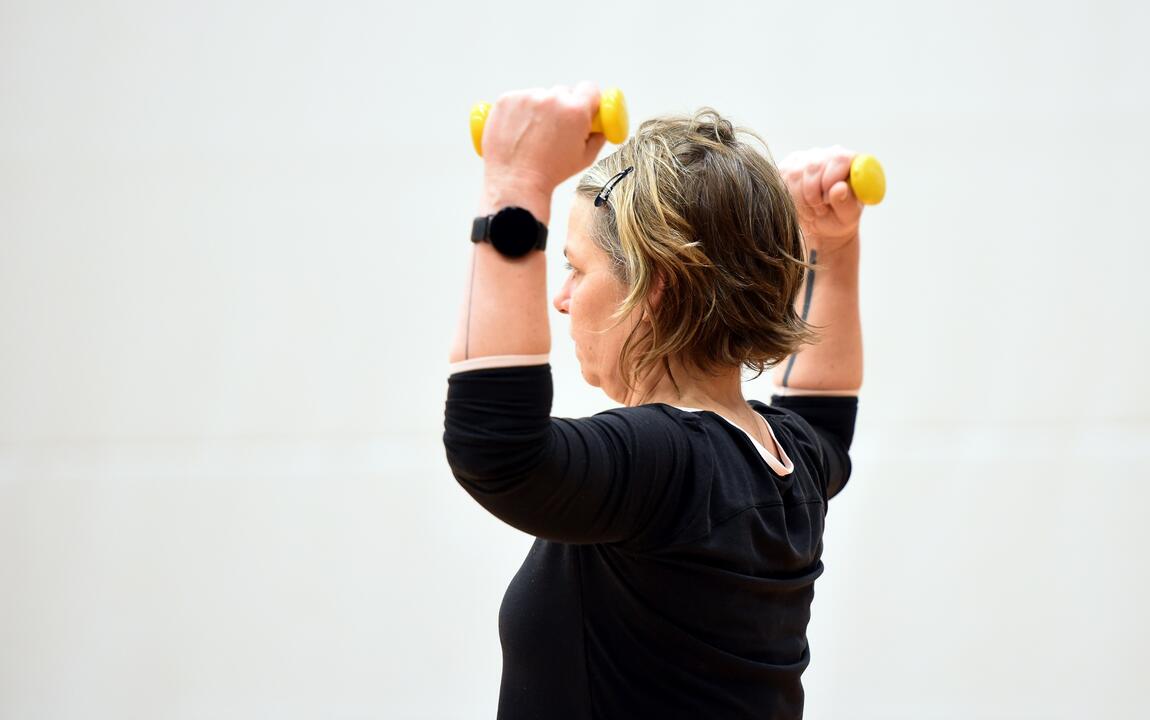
(567, 266)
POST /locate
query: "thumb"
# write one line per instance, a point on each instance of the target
(844, 204)
(841, 193)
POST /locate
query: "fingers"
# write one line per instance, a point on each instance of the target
(791, 168)
(803, 173)
(837, 167)
(812, 175)
(513, 104)
(543, 133)
(818, 181)
(812, 184)
(562, 104)
(836, 183)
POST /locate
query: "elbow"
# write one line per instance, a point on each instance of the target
(497, 425)
(493, 465)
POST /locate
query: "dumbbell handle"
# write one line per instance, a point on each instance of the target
(611, 120)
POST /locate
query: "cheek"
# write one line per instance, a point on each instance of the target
(591, 309)
(603, 370)
(584, 321)
(598, 337)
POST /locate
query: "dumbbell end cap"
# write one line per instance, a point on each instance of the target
(478, 119)
(612, 116)
(868, 181)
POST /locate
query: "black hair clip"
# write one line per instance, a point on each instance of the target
(606, 191)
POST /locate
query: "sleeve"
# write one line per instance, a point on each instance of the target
(832, 424)
(619, 476)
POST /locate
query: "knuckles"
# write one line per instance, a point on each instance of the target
(808, 167)
(559, 102)
(556, 102)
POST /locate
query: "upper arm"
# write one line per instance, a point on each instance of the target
(618, 476)
(836, 462)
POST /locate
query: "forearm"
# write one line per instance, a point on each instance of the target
(835, 361)
(504, 308)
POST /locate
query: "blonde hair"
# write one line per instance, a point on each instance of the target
(706, 224)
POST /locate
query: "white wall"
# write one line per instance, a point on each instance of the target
(232, 241)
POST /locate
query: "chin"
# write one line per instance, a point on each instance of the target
(589, 377)
(615, 392)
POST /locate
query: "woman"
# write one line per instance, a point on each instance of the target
(679, 536)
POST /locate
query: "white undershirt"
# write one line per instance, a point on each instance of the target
(782, 467)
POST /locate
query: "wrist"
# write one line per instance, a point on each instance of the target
(833, 249)
(501, 192)
(837, 267)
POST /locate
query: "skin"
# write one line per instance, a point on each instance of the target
(829, 214)
(589, 297)
(536, 139)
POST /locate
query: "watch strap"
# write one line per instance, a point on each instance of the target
(479, 228)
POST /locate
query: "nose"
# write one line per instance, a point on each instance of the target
(562, 299)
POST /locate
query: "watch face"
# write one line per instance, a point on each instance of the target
(513, 231)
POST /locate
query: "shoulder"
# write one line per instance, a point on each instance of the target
(820, 428)
(654, 415)
(783, 416)
(806, 413)
(795, 430)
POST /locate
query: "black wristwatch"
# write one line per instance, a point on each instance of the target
(513, 231)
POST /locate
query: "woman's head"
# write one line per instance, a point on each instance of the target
(693, 261)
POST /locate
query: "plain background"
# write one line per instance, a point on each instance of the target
(233, 238)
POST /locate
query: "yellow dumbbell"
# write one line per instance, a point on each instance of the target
(611, 120)
(868, 181)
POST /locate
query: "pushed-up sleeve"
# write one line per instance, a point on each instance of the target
(619, 476)
(831, 423)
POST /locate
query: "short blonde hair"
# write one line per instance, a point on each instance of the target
(706, 220)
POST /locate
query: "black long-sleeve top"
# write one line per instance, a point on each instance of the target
(673, 572)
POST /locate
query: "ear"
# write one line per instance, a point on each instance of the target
(655, 294)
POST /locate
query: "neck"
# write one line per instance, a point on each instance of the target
(718, 392)
(689, 387)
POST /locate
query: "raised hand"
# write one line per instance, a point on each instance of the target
(828, 210)
(536, 139)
